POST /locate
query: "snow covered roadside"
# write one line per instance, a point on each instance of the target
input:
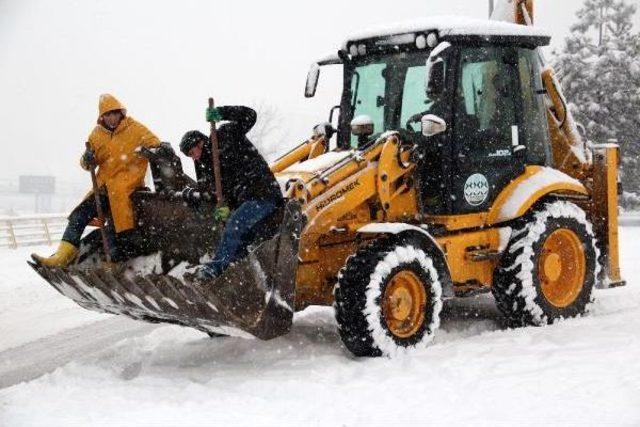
(29, 308)
(582, 371)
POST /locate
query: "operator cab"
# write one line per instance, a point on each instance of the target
(467, 94)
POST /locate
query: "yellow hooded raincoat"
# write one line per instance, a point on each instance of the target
(120, 168)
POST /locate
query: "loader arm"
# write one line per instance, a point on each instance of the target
(310, 149)
(359, 186)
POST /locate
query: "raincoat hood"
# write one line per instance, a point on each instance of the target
(109, 103)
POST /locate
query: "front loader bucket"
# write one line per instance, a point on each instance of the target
(254, 296)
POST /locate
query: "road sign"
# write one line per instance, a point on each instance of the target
(37, 184)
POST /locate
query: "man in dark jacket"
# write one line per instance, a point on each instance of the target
(249, 187)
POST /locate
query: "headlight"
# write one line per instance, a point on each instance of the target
(432, 40)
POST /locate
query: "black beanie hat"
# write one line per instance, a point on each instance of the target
(191, 139)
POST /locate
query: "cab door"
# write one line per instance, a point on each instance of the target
(486, 149)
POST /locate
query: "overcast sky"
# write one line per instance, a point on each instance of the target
(164, 58)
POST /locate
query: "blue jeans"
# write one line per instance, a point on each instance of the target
(236, 233)
(80, 218)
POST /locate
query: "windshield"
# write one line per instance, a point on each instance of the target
(390, 90)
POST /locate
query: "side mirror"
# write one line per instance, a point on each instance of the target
(435, 77)
(362, 126)
(312, 81)
(433, 125)
(324, 129)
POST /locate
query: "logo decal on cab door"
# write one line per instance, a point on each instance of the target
(476, 189)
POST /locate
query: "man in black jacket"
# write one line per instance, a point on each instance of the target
(250, 189)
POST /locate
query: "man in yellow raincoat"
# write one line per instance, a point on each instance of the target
(114, 145)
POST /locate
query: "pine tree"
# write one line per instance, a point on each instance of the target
(599, 69)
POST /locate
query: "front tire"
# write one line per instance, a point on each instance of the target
(549, 268)
(388, 299)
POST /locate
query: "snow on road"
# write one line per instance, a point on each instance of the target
(581, 371)
(29, 308)
(32, 360)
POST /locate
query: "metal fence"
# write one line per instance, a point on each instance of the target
(31, 230)
(48, 229)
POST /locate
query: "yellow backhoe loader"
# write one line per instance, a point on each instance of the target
(456, 169)
(476, 180)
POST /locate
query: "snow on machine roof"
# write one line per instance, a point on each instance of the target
(451, 27)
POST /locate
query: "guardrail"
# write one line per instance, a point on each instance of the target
(31, 230)
(47, 229)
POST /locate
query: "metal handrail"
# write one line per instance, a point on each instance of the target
(31, 230)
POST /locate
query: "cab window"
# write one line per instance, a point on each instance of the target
(368, 89)
(414, 100)
(485, 111)
(534, 121)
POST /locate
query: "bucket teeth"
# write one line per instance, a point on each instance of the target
(98, 293)
(170, 296)
(70, 288)
(113, 287)
(152, 294)
(255, 295)
(133, 294)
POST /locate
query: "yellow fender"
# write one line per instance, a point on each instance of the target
(523, 192)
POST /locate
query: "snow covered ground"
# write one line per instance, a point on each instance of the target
(29, 310)
(582, 371)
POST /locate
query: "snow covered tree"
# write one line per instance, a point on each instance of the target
(269, 130)
(599, 68)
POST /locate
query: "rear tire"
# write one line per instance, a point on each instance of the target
(388, 299)
(549, 268)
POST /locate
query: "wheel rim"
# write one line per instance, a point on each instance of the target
(404, 304)
(561, 267)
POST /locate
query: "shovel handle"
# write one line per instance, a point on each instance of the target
(101, 216)
(215, 158)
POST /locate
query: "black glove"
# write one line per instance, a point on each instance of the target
(166, 150)
(89, 158)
